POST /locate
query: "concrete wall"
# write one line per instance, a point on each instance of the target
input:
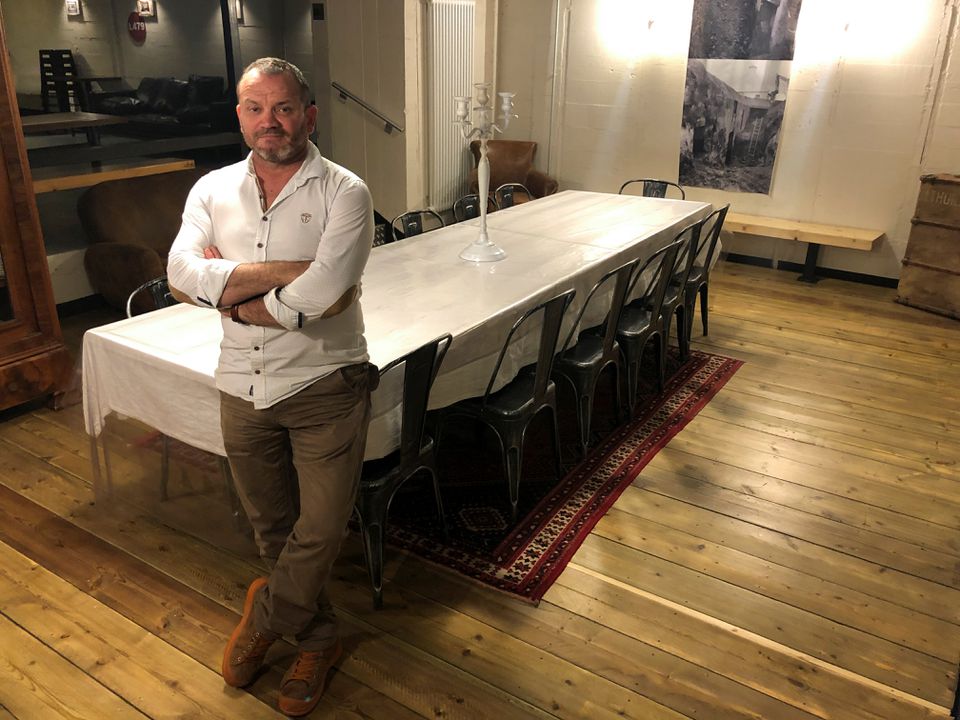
(874, 102)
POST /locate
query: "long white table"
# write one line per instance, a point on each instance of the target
(159, 367)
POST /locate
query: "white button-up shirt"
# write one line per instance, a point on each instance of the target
(323, 214)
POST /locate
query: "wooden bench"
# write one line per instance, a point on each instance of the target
(69, 177)
(814, 234)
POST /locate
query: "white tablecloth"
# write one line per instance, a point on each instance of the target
(159, 367)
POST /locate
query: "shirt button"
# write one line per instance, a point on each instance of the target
(256, 347)
(264, 218)
(259, 244)
(256, 372)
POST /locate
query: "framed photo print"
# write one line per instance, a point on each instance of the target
(145, 8)
(73, 7)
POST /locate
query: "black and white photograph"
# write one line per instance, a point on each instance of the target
(744, 29)
(732, 113)
(145, 8)
(73, 7)
(736, 91)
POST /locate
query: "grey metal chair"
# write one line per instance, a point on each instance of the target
(640, 321)
(509, 410)
(653, 187)
(507, 194)
(380, 479)
(468, 207)
(586, 353)
(158, 292)
(415, 222)
(698, 282)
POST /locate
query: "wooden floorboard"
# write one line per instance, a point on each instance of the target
(793, 554)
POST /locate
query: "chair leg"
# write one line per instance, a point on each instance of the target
(584, 412)
(511, 461)
(373, 550)
(704, 312)
(558, 457)
(683, 339)
(661, 363)
(633, 384)
(436, 493)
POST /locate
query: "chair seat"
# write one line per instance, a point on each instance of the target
(385, 471)
(513, 400)
(697, 275)
(585, 354)
(634, 321)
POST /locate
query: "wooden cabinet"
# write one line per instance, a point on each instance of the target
(34, 362)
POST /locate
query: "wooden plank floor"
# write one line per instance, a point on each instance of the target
(793, 554)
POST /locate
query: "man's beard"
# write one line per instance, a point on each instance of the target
(281, 154)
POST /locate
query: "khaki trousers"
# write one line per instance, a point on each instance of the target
(296, 466)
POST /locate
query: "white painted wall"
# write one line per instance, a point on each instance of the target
(366, 40)
(874, 102)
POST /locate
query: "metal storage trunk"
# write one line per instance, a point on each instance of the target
(930, 278)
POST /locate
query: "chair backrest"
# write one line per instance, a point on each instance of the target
(504, 195)
(159, 292)
(420, 370)
(468, 207)
(552, 311)
(412, 222)
(653, 187)
(620, 279)
(709, 234)
(59, 90)
(382, 231)
(656, 270)
(690, 237)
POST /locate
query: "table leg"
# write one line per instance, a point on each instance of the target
(810, 264)
(102, 478)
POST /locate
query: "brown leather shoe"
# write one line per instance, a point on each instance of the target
(247, 646)
(304, 682)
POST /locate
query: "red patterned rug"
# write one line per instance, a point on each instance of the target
(525, 559)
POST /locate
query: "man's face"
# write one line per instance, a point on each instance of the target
(273, 120)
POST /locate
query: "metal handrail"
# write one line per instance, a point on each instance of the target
(389, 124)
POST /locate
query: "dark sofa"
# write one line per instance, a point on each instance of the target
(161, 107)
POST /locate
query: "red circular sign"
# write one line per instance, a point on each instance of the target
(136, 27)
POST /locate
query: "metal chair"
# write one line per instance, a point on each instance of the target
(504, 195)
(586, 353)
(640, 322)
(412, 223)
(468, 207)
(698, 282)
(509, 410)
(380, 479)
(653, 187)
(157, 290)
(673, 297)
(59, 89)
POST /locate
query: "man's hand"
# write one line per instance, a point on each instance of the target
(212, 253)
(251, 312)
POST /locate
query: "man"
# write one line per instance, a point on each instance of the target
(277, 243)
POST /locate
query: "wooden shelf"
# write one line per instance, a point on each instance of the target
(69, 177)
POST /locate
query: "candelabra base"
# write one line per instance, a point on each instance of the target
(483, 252)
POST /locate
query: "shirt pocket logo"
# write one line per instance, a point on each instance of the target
(305, 218)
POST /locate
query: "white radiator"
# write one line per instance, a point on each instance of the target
(450, 63)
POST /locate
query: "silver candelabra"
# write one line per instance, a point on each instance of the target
(483, 128)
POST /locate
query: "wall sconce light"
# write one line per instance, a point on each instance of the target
(239, 12)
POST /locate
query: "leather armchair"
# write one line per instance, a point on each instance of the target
(131, 224)
(511, 161)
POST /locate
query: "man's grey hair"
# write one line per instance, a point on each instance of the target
(276, 66)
